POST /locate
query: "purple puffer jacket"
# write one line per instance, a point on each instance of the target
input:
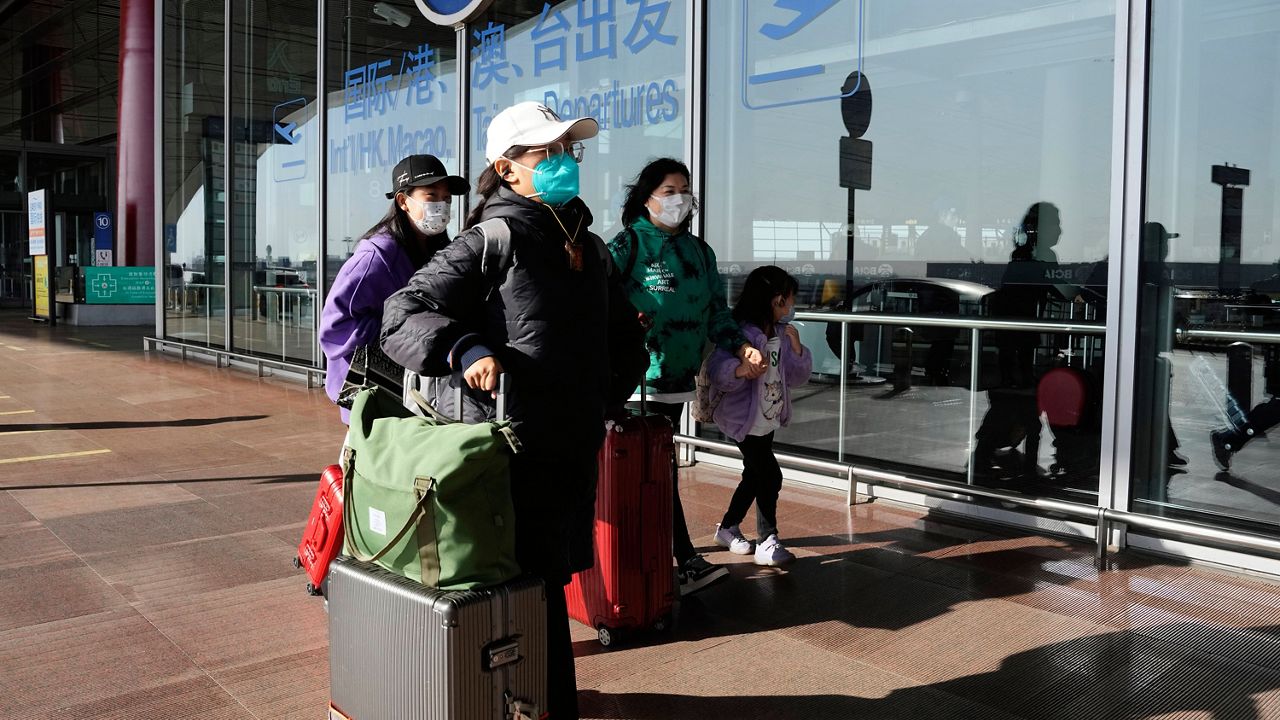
(352, 314)
(737, 410)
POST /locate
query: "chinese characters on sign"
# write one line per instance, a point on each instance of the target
(383, 90)
(575, 35)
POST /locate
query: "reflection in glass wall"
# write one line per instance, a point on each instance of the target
(274, 172)
(1209, 350)
(392, 91)
(193, 187)
(975, 186)
(621, 63)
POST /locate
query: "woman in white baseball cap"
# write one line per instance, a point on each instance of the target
(523, 291)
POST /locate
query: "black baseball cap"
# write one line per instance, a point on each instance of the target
(423, 170)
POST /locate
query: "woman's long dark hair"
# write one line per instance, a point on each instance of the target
(397, 224)
(489, 183)
(1029, 229)
(755, 304)
(650, 179)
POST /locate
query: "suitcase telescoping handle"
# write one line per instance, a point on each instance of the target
(459, 386)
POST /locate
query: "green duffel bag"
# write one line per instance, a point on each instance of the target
(428, 498)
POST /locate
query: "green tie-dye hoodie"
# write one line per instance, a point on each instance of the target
(675, 283)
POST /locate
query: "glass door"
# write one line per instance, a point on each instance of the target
(273, 174)
(1209, 341)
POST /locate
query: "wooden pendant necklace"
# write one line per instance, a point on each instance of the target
(571, 245)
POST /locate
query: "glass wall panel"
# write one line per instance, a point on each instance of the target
(1209, 354)
(621, 62)
(975, 185)
(274, 173)
(193, 184)
(391, 91)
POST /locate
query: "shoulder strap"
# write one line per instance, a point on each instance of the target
(631, 255)
(496, 256)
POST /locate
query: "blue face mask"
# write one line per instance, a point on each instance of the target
(789, 317)
(555, 179)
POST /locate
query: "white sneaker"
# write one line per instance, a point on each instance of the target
(771, 553)
(731, 537)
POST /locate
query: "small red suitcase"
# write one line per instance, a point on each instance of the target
(1063, 397)
(322, 540)
(631, 586)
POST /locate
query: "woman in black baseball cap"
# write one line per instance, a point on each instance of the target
(413, 229)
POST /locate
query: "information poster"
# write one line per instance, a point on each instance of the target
(36, 222)
(41, 281)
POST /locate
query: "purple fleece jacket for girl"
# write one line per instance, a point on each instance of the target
(352, 314)
(740, 404)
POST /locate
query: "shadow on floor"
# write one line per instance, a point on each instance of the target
(124, 424)
(1124, 675)
(262, 480)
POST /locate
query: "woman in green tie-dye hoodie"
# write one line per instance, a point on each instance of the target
(671, 278)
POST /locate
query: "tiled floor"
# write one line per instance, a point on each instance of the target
(149, 510)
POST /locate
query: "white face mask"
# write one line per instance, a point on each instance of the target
(435, 216)
(675, 208)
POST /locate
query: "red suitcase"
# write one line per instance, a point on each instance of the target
(1063, 397)
(322, 540)
(631, 586)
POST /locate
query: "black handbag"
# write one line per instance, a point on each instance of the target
(370, 367)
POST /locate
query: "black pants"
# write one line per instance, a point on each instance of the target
(554, 499)
(761, 482)
(1260, 419)
(681, 544)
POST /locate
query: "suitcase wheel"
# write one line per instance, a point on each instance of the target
(662, 623)
(312, 589)
(297, 561)
(607, 637)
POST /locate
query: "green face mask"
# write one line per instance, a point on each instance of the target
(555, 179)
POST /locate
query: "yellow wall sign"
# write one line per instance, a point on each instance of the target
(41, 281)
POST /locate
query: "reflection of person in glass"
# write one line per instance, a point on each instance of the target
(1239, 430)
(940, 240)
(414, 228)
(1158, 291)
(1013, 416)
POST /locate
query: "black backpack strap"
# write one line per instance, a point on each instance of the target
(631, 255)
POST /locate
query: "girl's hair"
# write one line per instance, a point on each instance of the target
(489, 183)
(650, 179)
(397, 224)
(755, 304)
(1029, 229)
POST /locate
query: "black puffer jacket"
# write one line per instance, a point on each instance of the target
(547, 323)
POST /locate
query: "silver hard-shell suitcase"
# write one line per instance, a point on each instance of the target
(399, 650)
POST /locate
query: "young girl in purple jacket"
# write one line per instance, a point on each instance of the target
(754, 402)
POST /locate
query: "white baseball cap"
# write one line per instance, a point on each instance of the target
(532, 123)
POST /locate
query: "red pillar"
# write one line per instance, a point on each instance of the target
(135, 161)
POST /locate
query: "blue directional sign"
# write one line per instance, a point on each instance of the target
(289, 149)
(798, 51)
(102, 229)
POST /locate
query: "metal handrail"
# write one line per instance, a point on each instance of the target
(1103, 518)
(1239, 336)
(229, 356)
(953, 321)
(282, 290)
